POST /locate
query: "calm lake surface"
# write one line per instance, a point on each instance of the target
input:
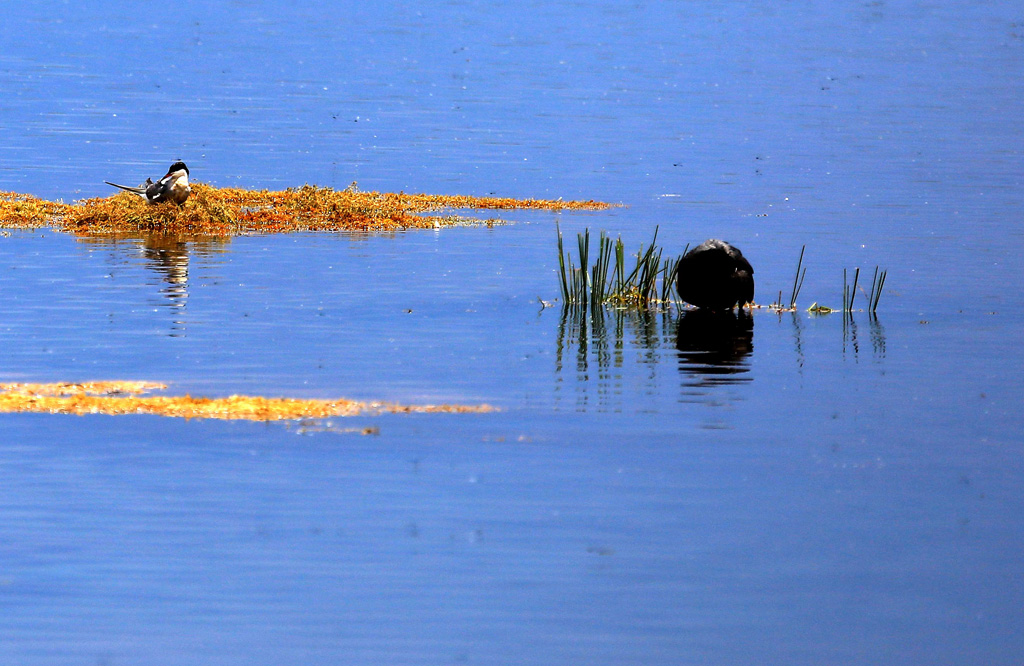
(787, 489)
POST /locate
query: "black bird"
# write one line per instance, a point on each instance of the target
(173, 187)
(715, 275)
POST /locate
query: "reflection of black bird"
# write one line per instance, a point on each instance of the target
(715, 343)
(716, 276)
(173, 187)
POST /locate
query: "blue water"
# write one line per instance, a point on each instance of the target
(791, 489)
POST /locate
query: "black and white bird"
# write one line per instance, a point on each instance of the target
(715, 276)
(173, 187)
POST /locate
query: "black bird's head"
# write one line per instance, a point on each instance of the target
(178, 166)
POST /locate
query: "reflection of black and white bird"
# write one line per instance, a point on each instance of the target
(173, 187)
(716, 276)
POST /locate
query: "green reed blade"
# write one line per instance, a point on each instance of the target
(878, 292)
(853, 291)
(561, 267)
(846, 290)
(798, 280)
(583, 245)
(620, 265)
(666, 281)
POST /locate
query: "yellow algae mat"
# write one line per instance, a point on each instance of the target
(122, 397)
(230, 211)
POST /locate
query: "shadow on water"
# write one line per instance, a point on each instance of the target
(714, 347)
(168, 256)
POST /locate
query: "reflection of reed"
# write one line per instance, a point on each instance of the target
(714, 346)
(614, 351)
(601, 339)
(876, 334)
(798, 338)
(850, 341)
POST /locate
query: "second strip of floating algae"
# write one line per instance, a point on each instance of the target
(232, 211)
(118, 398)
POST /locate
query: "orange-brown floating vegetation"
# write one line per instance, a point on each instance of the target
(24, 211)
(229, 211)
(116, 398)
(84, 388)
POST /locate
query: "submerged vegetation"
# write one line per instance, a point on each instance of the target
(216, 211)
(121, 397)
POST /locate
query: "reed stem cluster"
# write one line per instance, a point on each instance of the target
(610, 280)
(873, 296)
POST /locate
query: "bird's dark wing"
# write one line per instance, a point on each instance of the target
(156, 192)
